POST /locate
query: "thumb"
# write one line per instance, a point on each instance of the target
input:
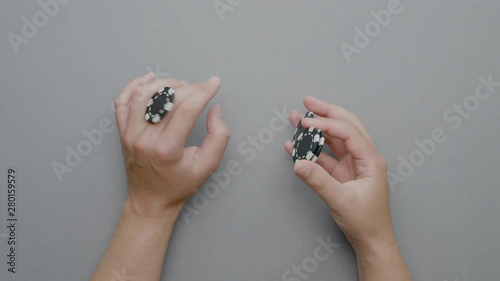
(327, 187)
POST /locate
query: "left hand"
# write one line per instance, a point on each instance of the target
(162, 173)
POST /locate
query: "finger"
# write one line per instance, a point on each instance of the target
(355, 141)
(324, 160)
(288, 147)
(336, 145)
(185, 114)
(327, 162)
(295, 117)
(322, 108)
(328, 188)
(215, 143)
(121, 101)
(139, 100)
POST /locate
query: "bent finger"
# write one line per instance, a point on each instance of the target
(215, 143)
(325, 109)
(185, 114)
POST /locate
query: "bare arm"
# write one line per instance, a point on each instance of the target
(354, 185)
(162, 173)
(138, 248)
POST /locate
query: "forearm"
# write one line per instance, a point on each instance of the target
(137, 250)
(382, 264)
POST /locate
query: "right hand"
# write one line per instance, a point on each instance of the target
(355, 185)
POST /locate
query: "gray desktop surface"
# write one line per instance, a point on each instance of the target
(405, 80)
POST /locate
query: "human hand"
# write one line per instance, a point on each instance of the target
(162, 173)
(355, 185)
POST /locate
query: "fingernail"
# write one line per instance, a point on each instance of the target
(214, 80)
(303, 168)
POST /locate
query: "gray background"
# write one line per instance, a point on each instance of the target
(269, 54)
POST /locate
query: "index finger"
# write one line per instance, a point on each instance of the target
(187, 111)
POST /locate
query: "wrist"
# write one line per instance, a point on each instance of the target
(382, 263)
(375, 244)
(149, 210)
(377, 251)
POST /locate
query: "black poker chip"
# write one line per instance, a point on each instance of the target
(307, 143)
(160, 104)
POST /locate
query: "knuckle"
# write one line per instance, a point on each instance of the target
(151, 86)
(201, 91)
(127, 143)
(320, 183)
(119, 101)
(185, 108)
(164, 154)
(139, 94)
(140, 145)
(225, 133)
